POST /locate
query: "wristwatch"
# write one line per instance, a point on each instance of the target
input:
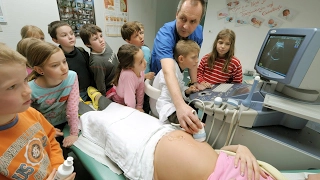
(190, 84)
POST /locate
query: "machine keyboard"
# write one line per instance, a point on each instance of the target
(222, 88)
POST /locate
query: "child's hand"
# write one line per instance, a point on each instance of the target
(68, 141)
(149, 75)
(206, 85)
(191, 89)
(51, 176)
(199, 86)
(140, 109)
(58, 132)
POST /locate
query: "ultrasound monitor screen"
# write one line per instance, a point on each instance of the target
(279, 52)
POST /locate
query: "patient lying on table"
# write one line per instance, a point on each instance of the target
(144, 148)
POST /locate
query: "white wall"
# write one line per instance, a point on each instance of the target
(42, 12)
(166, 11)
(153, 14)
(249, 38)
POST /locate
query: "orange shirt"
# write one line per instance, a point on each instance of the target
(28, 147)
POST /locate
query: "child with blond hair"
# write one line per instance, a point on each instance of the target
(186, 54)
(31, 31)
(28, 146)
(22, 47)
(55, 89)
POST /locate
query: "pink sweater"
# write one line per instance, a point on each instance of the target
(130, 89)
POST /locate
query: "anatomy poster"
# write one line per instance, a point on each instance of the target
(116, 14)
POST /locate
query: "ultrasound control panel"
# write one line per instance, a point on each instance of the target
(235, 91)
(256, 116)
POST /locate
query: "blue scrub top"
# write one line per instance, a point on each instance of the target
(165, 41)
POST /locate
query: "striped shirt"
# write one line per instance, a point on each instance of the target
(216, 75)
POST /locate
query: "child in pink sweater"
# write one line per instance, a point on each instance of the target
(129, 77)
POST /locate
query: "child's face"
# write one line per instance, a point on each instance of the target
(55, 68)
(223, 46)
(137, 38)
(97, 43)
(140, 63)
(189, 61)
(65, 37)
(15, 93)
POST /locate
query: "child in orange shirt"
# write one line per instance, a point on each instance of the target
(28, 147)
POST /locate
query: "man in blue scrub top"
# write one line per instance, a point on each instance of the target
(165, 41)
(186, 26)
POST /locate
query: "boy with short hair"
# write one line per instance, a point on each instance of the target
(103, 61)
(186, 55)
(77, 58)
(28, 148)
(133, 33)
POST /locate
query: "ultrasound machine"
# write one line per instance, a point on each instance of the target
(278, 117)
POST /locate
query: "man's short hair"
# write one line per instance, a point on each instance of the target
(193, 3)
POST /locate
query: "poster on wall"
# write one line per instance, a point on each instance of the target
(2, 19)
(270, 13)
(76, 13)
(116, 14)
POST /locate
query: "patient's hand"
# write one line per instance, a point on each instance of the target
(58, 132)
(247, 160)
(149, 75)
(51, 176)
(69, 140)
(313, 177)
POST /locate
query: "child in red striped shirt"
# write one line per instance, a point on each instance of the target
(220, 66)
